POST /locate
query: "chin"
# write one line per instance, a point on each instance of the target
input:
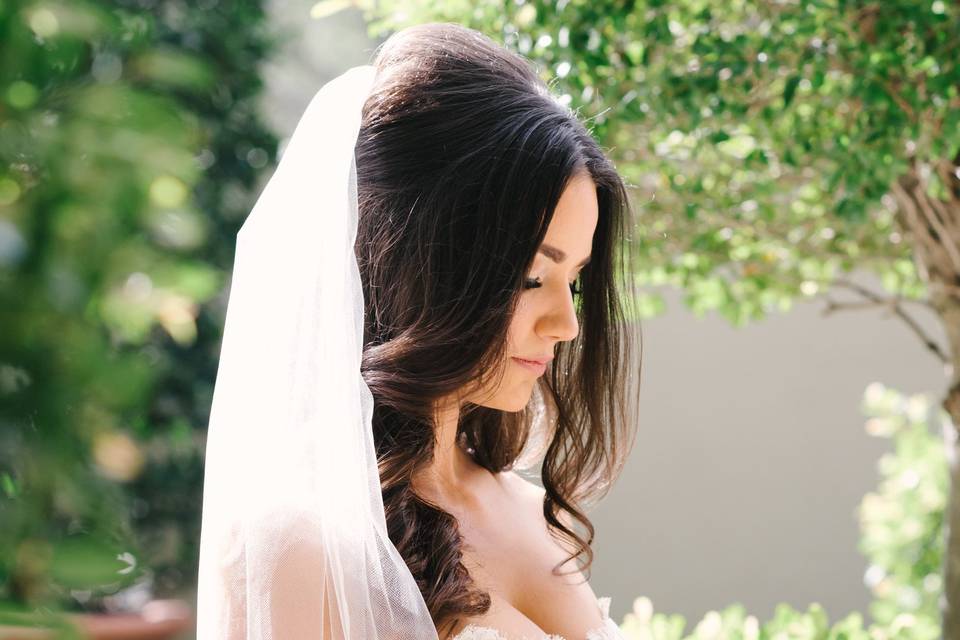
(514, 402)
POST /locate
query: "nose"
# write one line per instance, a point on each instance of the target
(559, 322)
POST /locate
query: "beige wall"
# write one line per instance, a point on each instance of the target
(751, 460)
(751, 457)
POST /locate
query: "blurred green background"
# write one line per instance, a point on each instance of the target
(773, 149)
(130, 145)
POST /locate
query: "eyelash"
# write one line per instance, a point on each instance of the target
(534, 283)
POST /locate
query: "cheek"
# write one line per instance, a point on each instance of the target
(512, 393)
(521, 327)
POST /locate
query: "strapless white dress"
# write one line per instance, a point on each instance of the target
(609, 630)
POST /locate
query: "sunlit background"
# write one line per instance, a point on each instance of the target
(794, 172)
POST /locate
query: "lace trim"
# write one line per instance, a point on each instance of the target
(608, 631)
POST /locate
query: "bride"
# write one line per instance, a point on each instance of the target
(423, 382)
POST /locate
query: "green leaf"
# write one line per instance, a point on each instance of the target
(86, 561)
(790, 89)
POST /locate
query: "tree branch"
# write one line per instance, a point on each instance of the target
(920, 230)
(893, 304)
(950, 177)
(939, 225)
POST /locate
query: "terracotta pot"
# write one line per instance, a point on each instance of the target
(158, 620)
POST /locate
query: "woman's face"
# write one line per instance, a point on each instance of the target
(545, 314)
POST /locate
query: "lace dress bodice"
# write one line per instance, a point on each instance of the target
(607, 631)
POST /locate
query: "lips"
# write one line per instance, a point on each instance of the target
(541, 360)
(535, 366)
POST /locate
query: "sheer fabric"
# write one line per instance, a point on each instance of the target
(294, 543)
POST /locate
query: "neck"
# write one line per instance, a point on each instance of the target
(451, 472)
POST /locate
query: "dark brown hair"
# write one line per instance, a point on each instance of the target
(462, 155)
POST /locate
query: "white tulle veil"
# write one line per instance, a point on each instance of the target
(294, 543)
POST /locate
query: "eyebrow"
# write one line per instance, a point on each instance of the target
(558, 255)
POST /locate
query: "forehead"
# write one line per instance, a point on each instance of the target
(575, 218)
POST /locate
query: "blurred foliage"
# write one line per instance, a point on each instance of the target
(762, 136)
(901, 528)
(130, 147)
(902, 522)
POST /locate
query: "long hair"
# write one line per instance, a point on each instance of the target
(462, 156)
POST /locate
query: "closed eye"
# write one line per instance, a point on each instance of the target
(576, 288)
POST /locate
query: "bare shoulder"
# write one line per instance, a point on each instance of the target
(523, 563)
(530, 494)
(522, 488)
(508, 621)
